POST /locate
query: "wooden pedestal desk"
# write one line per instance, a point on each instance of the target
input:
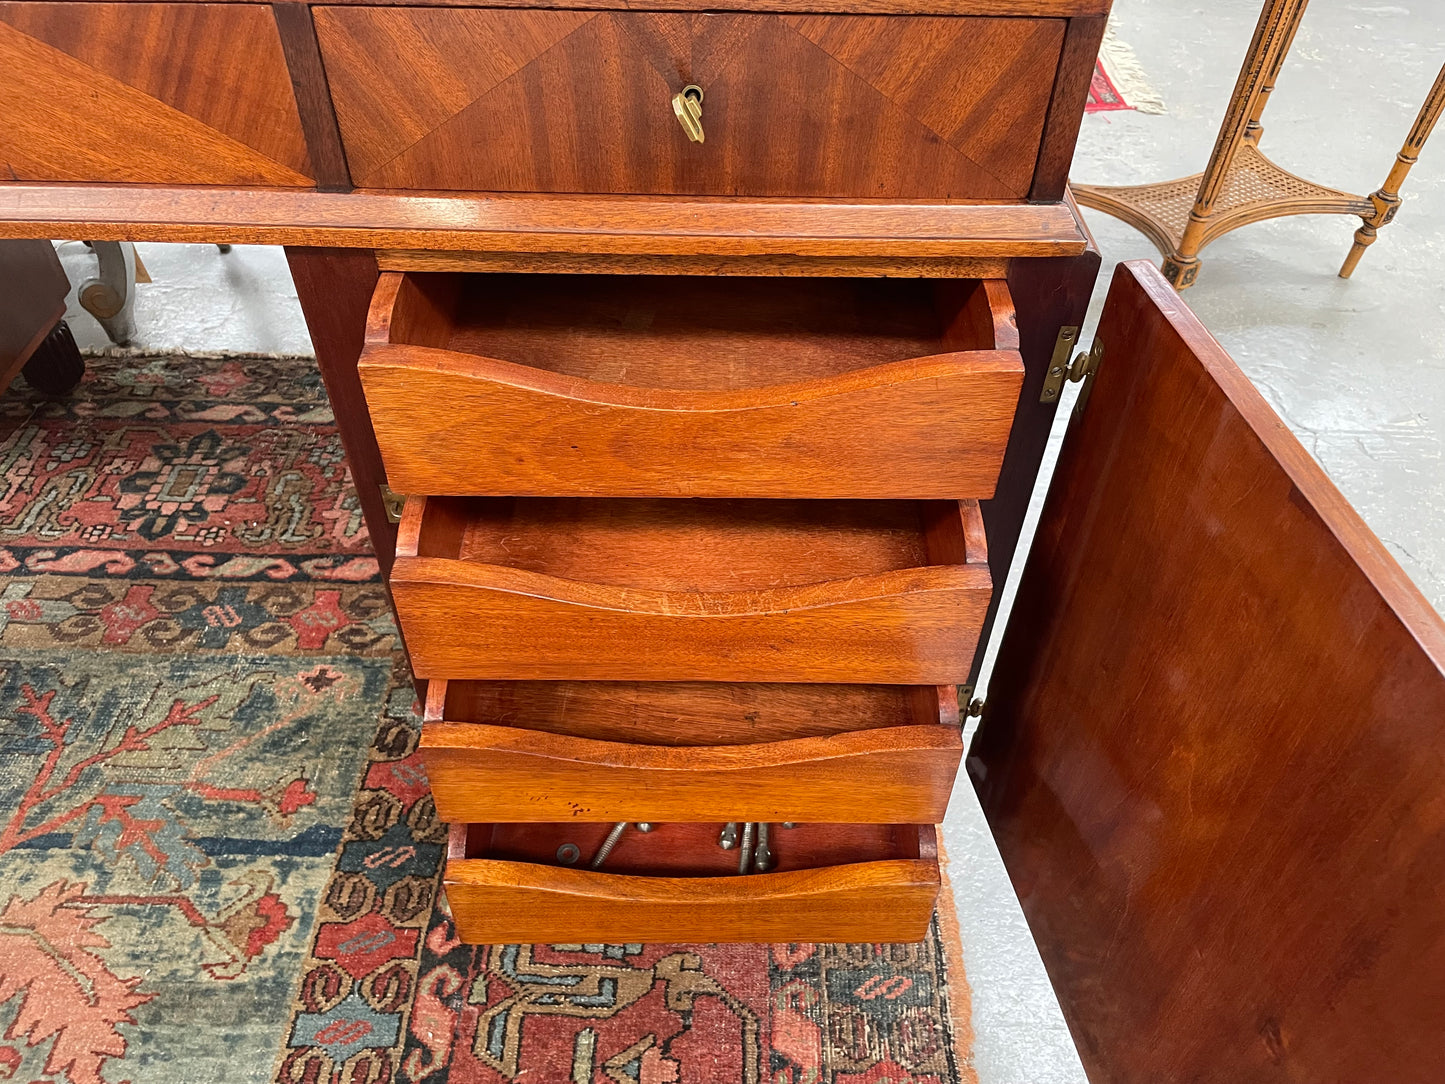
(711, 356)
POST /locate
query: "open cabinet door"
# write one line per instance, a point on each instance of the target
(1213, 753)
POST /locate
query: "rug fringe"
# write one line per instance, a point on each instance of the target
(1127, 74)
(199, 355)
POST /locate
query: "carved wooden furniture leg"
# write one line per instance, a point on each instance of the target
(1183, 216)
(1241, 185)
(1254, 129)
(109, 294)
(1277, 24)
(1387, 200)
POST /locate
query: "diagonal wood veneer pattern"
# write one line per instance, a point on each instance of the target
(199, 91)
(402, 72)
(102, 130)
(807, 106)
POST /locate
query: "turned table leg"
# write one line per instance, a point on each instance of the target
(1255, 128)
(1387, 200)
(1278, 22)
(1241, 185)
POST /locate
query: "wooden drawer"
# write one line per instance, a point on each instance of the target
(890, 592)
(559, 385)
(150, 93)
(859, 883)
(884, 754)
(914, 107)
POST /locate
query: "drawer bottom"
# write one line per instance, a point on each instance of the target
(828, 882)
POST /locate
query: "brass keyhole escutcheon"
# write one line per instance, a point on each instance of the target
(687, 104)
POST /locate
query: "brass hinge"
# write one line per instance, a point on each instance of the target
(1059, 364)
(969, 708)
(1085, 364)
(393, 503)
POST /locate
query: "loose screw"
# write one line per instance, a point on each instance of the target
(608, 844)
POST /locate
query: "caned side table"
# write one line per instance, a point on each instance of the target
(1240, 184)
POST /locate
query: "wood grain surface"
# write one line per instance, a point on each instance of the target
(690, 387)
(1066, 106)
(139, 92)
(313, 96)
(531, 225)
(509, 902)
(578, 101)
(1212, 753)
(890, 775)
(335, 287)
(949, 267)
(1052, 8)
(32, 302)
(790, 591)
(502, 900)
(687, 333)
(689, 712)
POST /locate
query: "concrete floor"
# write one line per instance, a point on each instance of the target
(1356, 369)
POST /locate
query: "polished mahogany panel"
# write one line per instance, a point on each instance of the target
(1213, 753)
(147, 93)
(915, 107)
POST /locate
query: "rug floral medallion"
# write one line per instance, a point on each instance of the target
(219, 857)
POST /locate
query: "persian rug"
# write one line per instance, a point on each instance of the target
(219, 857)
(1119, 81)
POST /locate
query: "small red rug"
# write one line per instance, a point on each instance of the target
(1119, 81)
(1103, 94)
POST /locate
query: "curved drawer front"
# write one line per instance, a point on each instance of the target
(499, 900)
(513, 902)
(148, 93)
(896, 775)
(564, 385)
(793, 105)
(521, 589)
(917, 627)
(931, 428)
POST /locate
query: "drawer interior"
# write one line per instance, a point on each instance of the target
(696, 332)
(694, 545)
(691, 386)
(690, 712)
(692, 850)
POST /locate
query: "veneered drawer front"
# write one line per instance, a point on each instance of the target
(855, 883)
(695, 386)
(484, 768)
(862, 592)
(921, 107)
(895, 775)
(147, 93)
